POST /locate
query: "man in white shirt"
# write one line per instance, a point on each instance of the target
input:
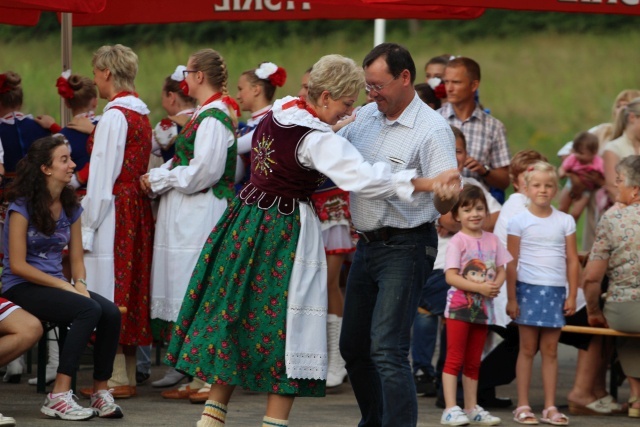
(398, 240)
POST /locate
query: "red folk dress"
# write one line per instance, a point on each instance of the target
(127, 222)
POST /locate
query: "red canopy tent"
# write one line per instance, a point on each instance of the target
(27, 12)
(120, 12)
(71, 6)
(620, 7)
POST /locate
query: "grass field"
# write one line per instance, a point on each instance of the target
(544, 87)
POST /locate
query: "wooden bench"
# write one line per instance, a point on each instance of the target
(42, 351)
(598, 331)
(591, 330)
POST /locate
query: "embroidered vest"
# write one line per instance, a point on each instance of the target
(276, 174)
(184, 147)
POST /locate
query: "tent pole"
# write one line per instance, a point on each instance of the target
(66, 39)
(379, 31)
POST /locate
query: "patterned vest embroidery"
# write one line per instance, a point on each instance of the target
(184, 146)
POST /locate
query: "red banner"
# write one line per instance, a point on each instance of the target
(74, 6)
(619, 7)
(119, 12)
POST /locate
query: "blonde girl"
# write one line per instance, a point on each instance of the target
(542, 241)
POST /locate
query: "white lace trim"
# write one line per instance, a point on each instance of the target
(297, 116)
(129, 102)
(311, 263)
(307, 310)
(307, 366)
(165, 309)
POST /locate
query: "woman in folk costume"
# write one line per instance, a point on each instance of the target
(256, 90)
(17, 130)
(254, 314)
(195, 186)
(117, 223)
(179, 107)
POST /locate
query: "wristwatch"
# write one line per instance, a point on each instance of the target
(487, 169)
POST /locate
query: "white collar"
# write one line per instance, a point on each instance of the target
(297, 116)
(129, 102)
(11, 118)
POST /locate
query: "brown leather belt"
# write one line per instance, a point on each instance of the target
(385, 233)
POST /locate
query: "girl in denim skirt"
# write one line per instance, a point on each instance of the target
(542, 241)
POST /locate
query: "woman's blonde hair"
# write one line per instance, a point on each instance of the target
(541, 166)
(214, 68)
(623, 118)
(121, 61)
(338, 75)
(605, 131)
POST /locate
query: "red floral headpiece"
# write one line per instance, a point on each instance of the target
(64, 88)
(277, 76)
(4, 87)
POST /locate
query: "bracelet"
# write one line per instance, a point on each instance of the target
(83, 282)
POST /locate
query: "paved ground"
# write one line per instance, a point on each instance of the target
(339, 408)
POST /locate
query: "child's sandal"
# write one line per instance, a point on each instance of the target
(523, 415)
(557, 418)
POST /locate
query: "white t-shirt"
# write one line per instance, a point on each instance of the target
(515, 204)
(543, 249)
(494, 206)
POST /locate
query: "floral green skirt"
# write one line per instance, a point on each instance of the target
(231, 326)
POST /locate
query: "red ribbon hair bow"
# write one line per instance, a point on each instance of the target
(64, 88)
(231, 103)
(4, 87)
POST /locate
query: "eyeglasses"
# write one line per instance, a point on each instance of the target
(377, 88)
(185, 72)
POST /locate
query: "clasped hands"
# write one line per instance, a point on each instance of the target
(448, 184)
(145, 185)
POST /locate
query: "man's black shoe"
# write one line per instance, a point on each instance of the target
(493, 402)
(141, 377)
(425, 384)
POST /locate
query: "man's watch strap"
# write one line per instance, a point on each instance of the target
(487, 170)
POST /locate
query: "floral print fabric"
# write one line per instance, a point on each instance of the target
(231, 328)
(618, 241)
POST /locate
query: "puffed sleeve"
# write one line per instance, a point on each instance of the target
(106, 163)
(205, 169)
(335, 157)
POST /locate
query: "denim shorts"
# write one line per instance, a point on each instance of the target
(541, 306)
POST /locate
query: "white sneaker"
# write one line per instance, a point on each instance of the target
(7, 421)
(104, 406)
(454, 416)
(65, 408)
(481, 417)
